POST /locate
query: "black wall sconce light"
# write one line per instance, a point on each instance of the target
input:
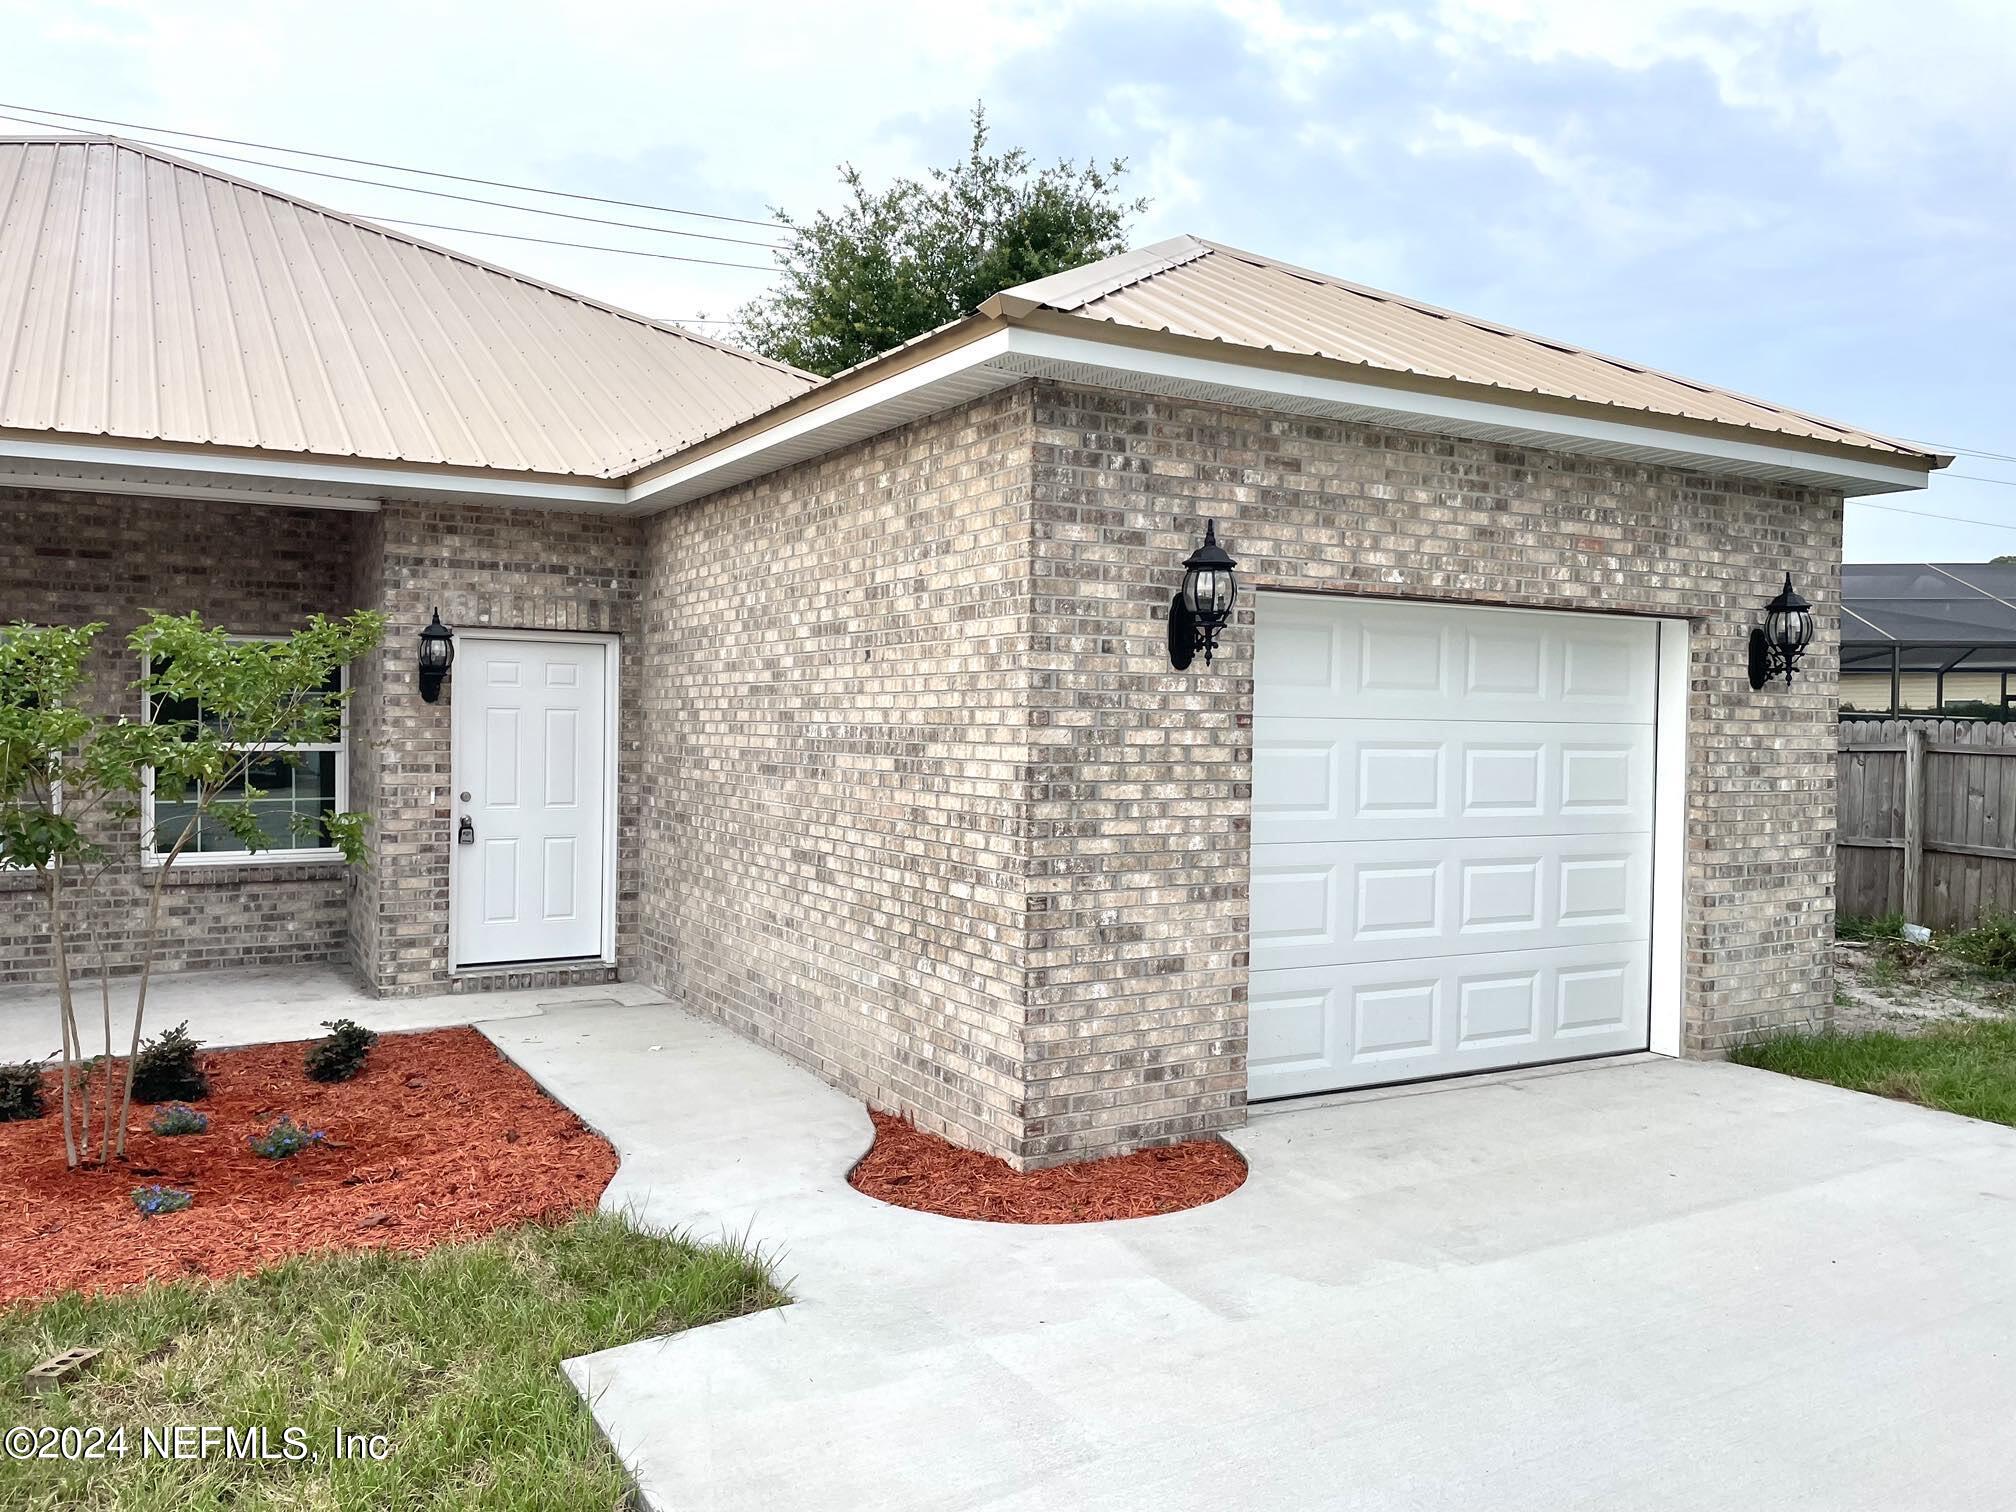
(437, 655)
(1204, 603)
(1777, 644)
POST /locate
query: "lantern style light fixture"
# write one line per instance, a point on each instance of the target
(1204, 603)
(437, 655)
(1777, 644)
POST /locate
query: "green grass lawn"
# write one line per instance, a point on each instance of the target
(453, 1355)
(1967, 1066)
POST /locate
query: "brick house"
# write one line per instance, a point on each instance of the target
(845, 712)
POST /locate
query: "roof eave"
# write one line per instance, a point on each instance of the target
(58, 461)
(997, 347)
(1112, 333)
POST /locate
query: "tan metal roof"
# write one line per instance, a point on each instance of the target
(149, 298)
(1187, 286)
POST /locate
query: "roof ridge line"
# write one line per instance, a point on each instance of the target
(363, 223)
(1076, 287)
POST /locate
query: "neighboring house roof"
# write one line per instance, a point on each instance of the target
(149, 298)
(1187, 286)
(1948, 603)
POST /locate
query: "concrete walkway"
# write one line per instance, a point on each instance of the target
(1645, 1284)
(256, 1007)
(1650, 1284)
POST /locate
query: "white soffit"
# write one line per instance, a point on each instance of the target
(1008, 356)
(163, 472)
(992, 362)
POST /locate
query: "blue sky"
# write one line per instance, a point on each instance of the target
(1807, 200)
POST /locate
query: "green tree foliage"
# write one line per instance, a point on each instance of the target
(895, 263)
(221, 707)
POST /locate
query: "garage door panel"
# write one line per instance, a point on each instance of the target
(1324, 1028)
(1336, 780)
(1351, 658)
(1452, 840)
(1318, 904)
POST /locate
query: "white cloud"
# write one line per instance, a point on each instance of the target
(1896, 78)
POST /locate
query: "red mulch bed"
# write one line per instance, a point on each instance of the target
(439, 1138)
(913, 1169)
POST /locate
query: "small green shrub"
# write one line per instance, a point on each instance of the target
(341, 1055)
(1888, 926)
(20, 1091)
(179, 1118)
(166, 1070)
(285, 1138)
(156, 1200)
(1989, 947)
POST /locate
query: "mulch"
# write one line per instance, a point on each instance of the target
(913, 1169)
(439, 1138)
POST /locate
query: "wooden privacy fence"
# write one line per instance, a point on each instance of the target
(1927, 820)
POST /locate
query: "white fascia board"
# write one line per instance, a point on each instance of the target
(170, 472)
(705, 474)
(1017, 353)
(1422, 411)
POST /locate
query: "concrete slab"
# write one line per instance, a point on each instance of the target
(255, 1007)
(1649, 1284)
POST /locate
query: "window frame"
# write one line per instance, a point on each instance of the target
(152, 859)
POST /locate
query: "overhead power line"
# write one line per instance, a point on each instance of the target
(1968, 451)
(334, 157)
(467, 199)
(1926, 514)
(550, 241)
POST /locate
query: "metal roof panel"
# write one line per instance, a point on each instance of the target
(1191, 287)
(146, 297)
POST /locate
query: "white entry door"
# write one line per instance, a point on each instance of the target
(529, 878)
(1452, 840)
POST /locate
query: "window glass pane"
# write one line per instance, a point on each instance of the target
(276, 823)
(315, 777)
(1866, 692)
(170, 819)
(1920, 692)
(268, 777)
(1973, 688)
(290, 794)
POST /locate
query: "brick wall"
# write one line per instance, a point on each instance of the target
(908, 790)
(835, 736)
(522, 569)
(75, 558)
(1138, 874)
(927, 810)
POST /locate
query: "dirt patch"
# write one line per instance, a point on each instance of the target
(913, 1169)
(439, 1138)
(1907, 988)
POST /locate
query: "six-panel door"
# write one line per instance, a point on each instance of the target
(531, 776)
(1452, 840)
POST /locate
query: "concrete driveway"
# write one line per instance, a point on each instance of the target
(1645, 1284)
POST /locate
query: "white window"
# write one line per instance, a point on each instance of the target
(291, 787)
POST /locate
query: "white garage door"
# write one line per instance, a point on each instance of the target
(1452, 840)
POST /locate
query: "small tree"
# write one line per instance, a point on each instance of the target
(892, 265)
(51, 784)
(221, 711)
